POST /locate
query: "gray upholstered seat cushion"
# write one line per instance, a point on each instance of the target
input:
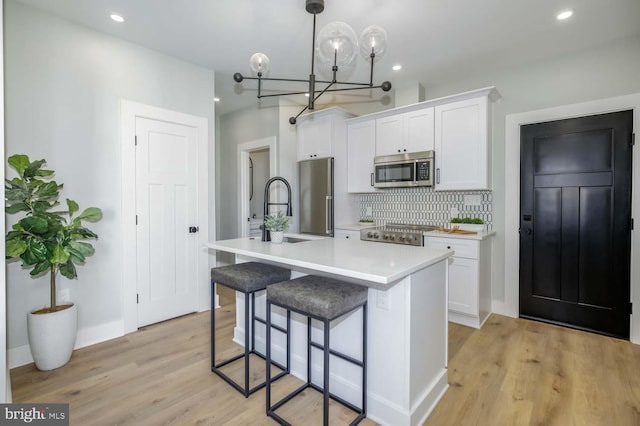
(249, 276)
(322, 297)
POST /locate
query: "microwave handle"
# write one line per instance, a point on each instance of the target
(371, 179)
(438, 175)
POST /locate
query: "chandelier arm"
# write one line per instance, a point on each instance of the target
(276, 79)
(326, 89)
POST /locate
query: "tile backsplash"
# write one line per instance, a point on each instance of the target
(425, 206)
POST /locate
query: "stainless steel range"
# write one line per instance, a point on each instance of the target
(397, 233)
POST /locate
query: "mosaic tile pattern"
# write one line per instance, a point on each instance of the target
(424, 206)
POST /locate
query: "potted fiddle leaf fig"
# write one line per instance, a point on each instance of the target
(47, 241)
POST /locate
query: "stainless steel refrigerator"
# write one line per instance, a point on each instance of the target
(316, 196)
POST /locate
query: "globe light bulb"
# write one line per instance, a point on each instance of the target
(259, 63)
(373, 40)
(336, 41)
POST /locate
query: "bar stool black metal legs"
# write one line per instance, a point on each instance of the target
(323, 299)
(247, 278)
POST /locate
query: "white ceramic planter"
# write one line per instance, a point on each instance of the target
(52, 337)
(277, 237)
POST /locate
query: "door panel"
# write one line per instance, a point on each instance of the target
(575, 222)
(166, 205)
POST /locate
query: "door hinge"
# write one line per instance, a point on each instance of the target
(630, 308)
(135, 141)
(631, 224)
(137, 298)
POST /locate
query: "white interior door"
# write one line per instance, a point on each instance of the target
(166, 204)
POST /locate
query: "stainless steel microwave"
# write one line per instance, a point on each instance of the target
(403, 170)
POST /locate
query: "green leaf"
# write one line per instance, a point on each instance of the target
(19, 162)
(48, 191)
(60, 255)
(34, 224)
(15, 208)
(40, 267)
(73, 207)
(85, 248)
(91, 214)
(44, 173)
(68, 270)
(36, 252)
(75, 256)
(15, 247)
(82, 232)
(31, 170)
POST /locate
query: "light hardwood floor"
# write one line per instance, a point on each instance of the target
(511, 372)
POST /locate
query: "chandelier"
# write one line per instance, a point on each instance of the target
(336, 46)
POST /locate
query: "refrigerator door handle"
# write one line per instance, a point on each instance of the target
(328, 225)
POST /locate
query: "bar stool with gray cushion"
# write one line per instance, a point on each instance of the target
(323, 299)
(247, 278)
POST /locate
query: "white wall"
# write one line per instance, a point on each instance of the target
(5, 382)
(64, 84)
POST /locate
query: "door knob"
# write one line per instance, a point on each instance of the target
(193, 229)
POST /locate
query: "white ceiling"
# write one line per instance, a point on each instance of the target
(436, 41)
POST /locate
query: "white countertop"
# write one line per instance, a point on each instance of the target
(478, 236)
(366, 263)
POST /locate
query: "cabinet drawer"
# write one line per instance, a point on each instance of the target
(462, 248)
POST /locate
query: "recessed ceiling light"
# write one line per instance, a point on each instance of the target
(564, 15)
(396, 67)
(216, 99)
(117, 18)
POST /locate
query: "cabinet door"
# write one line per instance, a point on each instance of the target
(346, 234)
(463, 286)
(389, 135)
(314, 137)
(461, 144)
(361, 142)
(419, 130)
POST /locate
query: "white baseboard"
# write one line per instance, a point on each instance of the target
(86, 337)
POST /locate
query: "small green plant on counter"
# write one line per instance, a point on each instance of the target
(366, 220)
(474, 220)
(278, 222)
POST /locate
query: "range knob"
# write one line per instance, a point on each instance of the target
(386, 237)
(376, 236)
(369, 235)
(402, 238)
(392, 237)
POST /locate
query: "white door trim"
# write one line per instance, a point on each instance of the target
(243, 172)
(510, 305)
(128, 112)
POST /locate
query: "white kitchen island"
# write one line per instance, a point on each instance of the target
(407, 320)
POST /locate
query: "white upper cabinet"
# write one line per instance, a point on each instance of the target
(361, 141)
(319, 131)
(462, 159)
(405, 132)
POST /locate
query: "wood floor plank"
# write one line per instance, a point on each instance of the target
(510, 372)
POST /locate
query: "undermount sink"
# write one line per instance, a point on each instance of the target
(294, 240)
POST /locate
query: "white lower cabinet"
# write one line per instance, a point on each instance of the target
(469, 278)
(346, 234)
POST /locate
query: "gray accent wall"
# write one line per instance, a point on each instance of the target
(64, 84)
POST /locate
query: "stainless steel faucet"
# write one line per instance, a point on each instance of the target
(266, 235)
